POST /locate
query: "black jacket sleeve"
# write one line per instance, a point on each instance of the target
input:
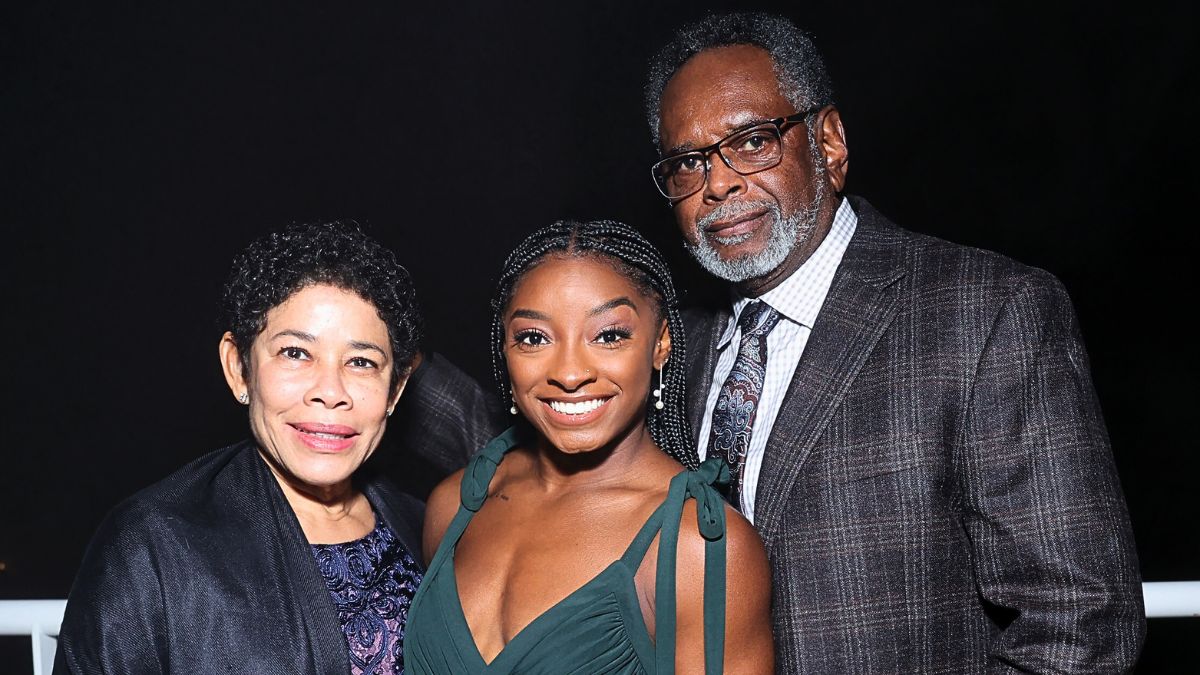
(115, 620)
(442, 419)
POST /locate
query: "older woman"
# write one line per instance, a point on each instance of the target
(588, 539)
(280, 553)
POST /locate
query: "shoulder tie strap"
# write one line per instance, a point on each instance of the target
(472, 493)
(710, 514)
(473, 490)
(477, 477)
(641, 543)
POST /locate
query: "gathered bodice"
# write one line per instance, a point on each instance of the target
(599, 627)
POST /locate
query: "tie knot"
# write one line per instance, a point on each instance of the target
(758, 318)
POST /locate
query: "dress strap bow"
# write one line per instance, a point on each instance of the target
(704, 485)
(710, 520)
(477, 477)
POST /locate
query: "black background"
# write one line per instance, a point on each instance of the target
(143, 145)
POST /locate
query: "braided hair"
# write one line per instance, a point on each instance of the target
(642, 264)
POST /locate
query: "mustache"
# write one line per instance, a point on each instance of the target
(734, 209)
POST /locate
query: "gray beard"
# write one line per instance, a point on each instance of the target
(786, 234)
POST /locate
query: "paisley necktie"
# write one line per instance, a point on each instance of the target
(737, 405)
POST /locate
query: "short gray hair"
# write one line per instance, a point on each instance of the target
(799, 67)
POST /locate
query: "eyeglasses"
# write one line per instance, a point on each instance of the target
(746, 151)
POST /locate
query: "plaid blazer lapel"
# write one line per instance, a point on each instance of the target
(861, 304)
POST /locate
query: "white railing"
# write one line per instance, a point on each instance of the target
(40, 619)
(1166, 599)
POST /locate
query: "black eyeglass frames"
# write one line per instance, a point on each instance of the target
(747, 150)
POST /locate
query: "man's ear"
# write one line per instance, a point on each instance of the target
(662, 351)
(831, 139)
(231, 364)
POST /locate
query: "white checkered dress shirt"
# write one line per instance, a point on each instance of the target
(798, 300)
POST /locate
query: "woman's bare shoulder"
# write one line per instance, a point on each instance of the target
(748, 638)
(446, 494)
(439, 512)
(743, 546)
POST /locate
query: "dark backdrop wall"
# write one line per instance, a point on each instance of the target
(144, 144)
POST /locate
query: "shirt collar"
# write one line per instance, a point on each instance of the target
(799, 297)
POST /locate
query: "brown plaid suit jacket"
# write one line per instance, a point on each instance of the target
(938, 494)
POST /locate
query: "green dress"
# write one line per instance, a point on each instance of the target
(599, 627)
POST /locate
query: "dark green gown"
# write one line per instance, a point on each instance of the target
(599, 627)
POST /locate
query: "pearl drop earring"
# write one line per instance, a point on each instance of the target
(658, 405)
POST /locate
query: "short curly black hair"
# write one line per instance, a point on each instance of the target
(799, 66)
(276, 266)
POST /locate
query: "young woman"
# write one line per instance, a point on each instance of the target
(587, 539)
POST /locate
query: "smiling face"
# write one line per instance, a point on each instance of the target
(318, 386)
(581, 345)
(758, 228)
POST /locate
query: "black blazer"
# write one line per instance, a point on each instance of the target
(938, 494)
(208, 571)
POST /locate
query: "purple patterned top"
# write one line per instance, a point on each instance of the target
(372, 581)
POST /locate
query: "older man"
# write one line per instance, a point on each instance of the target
(911, 424)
